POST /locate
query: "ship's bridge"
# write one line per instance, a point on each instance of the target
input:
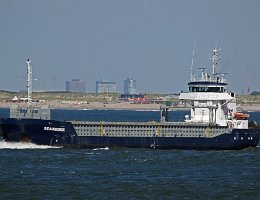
(206, 86)
(209, 82)
(208, 98)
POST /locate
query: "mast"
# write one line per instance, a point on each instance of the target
(29, 82)
(191, 67)
(215, 58)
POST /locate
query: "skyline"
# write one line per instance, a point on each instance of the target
(149, 40)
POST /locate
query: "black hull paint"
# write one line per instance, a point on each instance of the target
(33, 130)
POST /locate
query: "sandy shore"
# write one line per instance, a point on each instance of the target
(115, 106)
(250, 108)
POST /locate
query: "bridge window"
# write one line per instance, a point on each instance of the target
(206, 89)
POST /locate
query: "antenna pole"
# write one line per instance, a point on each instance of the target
(193, 52)
(215, 59)
(29, 82)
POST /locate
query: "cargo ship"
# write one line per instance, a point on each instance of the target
(214, 122)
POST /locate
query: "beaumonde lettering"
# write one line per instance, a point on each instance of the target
(47, 128)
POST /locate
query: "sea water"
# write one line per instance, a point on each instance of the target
(29, 171)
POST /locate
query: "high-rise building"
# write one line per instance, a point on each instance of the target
(76, 85)
(105, 87)
(129, 86)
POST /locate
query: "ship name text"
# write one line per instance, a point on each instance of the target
(47, 128)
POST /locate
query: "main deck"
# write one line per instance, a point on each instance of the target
(148, 129)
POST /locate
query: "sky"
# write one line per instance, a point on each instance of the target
(148, 40)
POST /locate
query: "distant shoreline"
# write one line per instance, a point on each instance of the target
(111, 106)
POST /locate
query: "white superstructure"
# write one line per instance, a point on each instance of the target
(209, 100)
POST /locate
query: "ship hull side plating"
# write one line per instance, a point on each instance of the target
(56, 133)
(223, 142)
(41, 132)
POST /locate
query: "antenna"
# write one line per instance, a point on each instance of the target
(29, 82)
(202, 73)
(193, 52)
(215, 57)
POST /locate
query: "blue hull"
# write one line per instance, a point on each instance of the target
(64, 134)
(223, 142)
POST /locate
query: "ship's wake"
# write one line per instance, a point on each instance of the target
(23, 145)
(105, 148)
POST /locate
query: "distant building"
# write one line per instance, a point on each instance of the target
(76, 85)
(129, 86)
(105, 87)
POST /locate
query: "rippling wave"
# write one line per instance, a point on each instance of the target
(121, 173)
(23, 145)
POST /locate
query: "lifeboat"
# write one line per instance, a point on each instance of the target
(239, 115)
